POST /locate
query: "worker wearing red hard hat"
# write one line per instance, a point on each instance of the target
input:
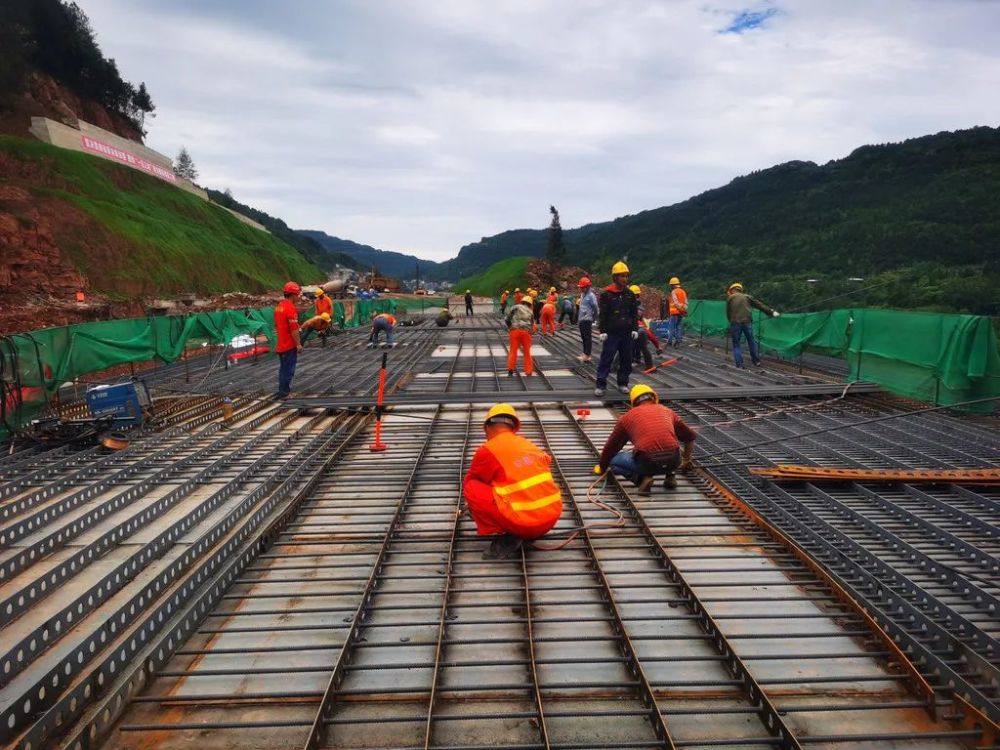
(286, 324)
(509, 488)
(586, 317)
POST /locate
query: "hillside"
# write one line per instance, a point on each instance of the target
(505, 274)
(70, 221)
(920, 218)
(388, 262)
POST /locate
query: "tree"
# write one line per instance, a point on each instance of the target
(555, 254)
(184, 165)
(143, 104)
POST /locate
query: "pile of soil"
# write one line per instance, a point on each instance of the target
(567, 277)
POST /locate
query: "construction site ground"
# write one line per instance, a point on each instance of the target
(268, 581)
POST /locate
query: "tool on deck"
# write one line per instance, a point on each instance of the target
(664, 363)
(378, 446)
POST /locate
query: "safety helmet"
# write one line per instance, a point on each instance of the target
(584, 282)
(319, 291)
(503, 414)
(618, 268)
(467, 291)
(674, 280)
(532, 293)
(735, 285)
(326, 317)
(638, 391)
(635, 290)
(517, 289)
(292, 288)
(552, 288)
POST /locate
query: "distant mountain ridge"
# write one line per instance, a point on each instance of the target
(388, 262)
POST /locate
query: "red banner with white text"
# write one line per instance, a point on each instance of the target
(113, 152)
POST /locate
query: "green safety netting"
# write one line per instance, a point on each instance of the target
(946, 359)
(34, 365)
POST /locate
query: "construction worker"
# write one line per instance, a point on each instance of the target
(566, 310)
(739, 306)
(678, 308)
(323, 305)
(586, 317)
(656, 434)
(548, 316)
(509, 488)
(552, 296)
(518, 296)
(319, 324)
(286, 324)
(521, 324)
(536, 304)
(503, 301)
(617, 319)
(444, 317)
(468, 302)
(382, 323)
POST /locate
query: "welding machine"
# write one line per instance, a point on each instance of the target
(126, 402)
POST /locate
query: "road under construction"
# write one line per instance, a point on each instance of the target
(268, 581)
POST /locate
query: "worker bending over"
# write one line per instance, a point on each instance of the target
(521, 325)
(656, 434)
(566, 310)
(286, 325)
(739, 306)
(444, 317)
(618, 315)
(509, 488)
(319, 324)
(548, 316)
(382, 323)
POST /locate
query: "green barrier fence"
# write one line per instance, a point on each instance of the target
(944, 359)
(34, 365)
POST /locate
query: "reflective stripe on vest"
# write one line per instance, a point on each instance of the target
(528, 495)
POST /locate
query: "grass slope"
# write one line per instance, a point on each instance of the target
(178, 241)
(505, 274)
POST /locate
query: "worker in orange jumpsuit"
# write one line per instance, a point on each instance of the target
(548, 316)
(521, 324)
(324, 306)
(509, 488)
(552, 296)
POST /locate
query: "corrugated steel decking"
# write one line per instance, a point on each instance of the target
(272, 583)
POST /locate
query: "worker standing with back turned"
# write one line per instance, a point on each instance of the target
(586, 317)
(521, 324)
(739, 311)
(548, 316)
(618, 317)
(656, 433)
(509, 487)
(286, 325)
(468, 302)
(505, 295)
(678, 309)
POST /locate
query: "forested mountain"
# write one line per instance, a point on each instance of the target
(388, 262)
(920, 218)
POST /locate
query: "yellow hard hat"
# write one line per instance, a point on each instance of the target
(325, 316)
(532, 293)
(618, 268)
(517, 289)
(552, 288)
(735, 285)
(674, 280)
(318, 292)
(503, 413)
(638, 391)
(635, 289)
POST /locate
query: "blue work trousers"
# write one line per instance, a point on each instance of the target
(628, 465)
(675, 329)
(620, 344)
(736, 330)
(286, 370)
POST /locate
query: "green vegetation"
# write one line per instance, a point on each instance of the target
(505, 274)
(56, 37)
(389, 263)
(919, 219)
(170, 240)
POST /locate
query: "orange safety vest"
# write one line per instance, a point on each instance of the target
(528, 495)
(518, 296)
(553, 298)
(678, 302)
(324, 305)
(388, 317)
(503, 298)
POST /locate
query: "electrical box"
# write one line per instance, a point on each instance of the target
(124, 401)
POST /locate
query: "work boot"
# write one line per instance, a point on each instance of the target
(510, 373)
(510, 546)
(623, 389)
(670, 482)
(599, 392)
(645, 485)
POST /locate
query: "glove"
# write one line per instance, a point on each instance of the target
(775, 314)
(686, 466)
(635, 335)
(602, 336)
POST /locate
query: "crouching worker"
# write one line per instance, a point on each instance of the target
(509, 489)
(382, 323)
(444, 317)
(656, 434)
(319, 324)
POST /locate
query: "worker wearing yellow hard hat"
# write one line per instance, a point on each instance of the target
(618, 322)
(677, 310)
(739, 311)
(509, 488)
(504, 297)
(657, 434)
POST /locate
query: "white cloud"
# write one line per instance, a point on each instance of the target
(421, 125)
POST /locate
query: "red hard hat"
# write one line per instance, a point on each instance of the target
(584, 282)
(292, 288)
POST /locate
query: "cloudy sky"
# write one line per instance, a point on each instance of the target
(421, 125)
